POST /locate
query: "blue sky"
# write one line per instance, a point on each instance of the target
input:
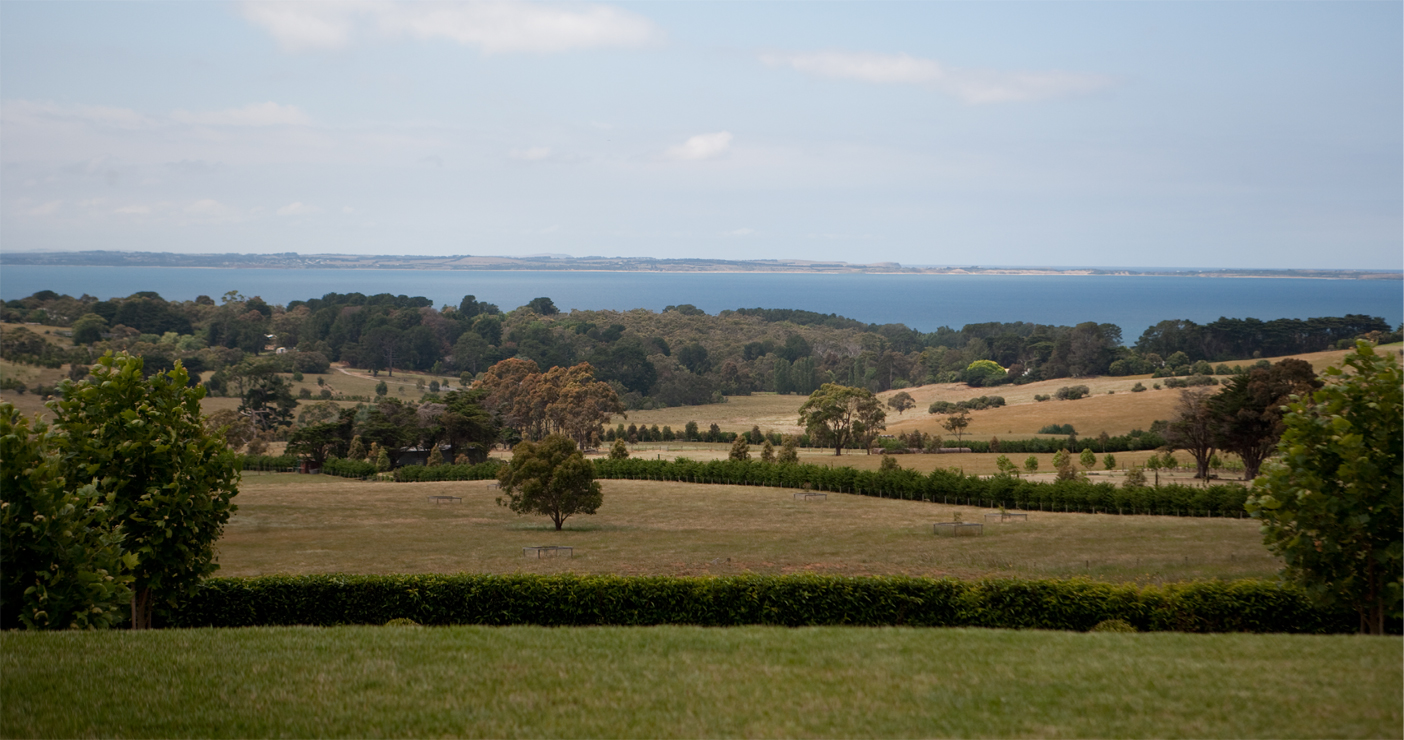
(1134, 134)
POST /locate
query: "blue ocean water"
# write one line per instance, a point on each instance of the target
(923, 302)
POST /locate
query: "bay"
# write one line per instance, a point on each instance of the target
(922, 302)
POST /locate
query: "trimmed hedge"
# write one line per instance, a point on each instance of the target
(793, 601)
(943, 486)
(277, 463)
(419, 473)
(348, 468)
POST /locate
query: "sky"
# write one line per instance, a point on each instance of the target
(1137, 134)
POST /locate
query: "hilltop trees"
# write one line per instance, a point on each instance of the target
(900, 402)
(1331, 507)
(840, 415)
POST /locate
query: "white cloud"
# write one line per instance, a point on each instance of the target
(20, 112)
(299, 26)
(43, 209)
(254, 114)
(298, 209)
(702, 146)
(210, 210)
(532, 154)
(741, 232)
(493, 27)
(132, 211)
(974, 86)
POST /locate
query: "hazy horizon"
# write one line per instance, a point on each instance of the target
(1012, 135)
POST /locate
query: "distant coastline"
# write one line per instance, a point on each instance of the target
(562, 263)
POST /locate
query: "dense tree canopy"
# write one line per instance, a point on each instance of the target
(164, 479)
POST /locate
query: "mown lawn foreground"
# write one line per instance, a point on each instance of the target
(695, 682)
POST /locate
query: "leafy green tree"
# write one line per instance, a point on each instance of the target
(1006, 467)
(1109, 462)
(357, 450)
(266, 398)
(88, 329)
(166, 481)
(550, 478)
(1031, 464)
(900, 402)
(619, 451)
(983, 372)
(64, 564)
(767, 452)
(381, 389)
(1331, 506)
(436, 457)
(839, 415)
(690, 432)
(1088, 458)
(382, 461)
(740, 449)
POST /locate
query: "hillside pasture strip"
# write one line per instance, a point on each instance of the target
(302, 524)
(695, 682)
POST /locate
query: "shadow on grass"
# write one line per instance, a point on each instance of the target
(568, 527)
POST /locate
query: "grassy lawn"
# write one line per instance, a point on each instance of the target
(321, 524)
(695, 682)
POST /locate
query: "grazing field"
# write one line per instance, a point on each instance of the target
(695, 682)
(321, 524)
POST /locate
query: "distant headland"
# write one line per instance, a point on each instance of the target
(561, 263)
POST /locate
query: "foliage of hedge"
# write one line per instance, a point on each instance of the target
(571, 600)
(348, 468)
(943, 486)
(1124, 443)
(270, 462)
(419, 473)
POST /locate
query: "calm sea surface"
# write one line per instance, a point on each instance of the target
(920, 301)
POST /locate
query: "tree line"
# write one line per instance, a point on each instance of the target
(679, 356)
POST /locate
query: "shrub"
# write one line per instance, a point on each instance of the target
(1063, 429)
(418, 473)
(1042, 397)
(1071, 392)
(1138, 387)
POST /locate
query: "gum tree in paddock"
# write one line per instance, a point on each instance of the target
(1331, 504)
(840, 414)
(551, 478)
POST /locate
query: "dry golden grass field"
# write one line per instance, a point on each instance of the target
(320, 524)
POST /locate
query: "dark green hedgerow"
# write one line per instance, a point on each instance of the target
(944, 486)
(574, 600)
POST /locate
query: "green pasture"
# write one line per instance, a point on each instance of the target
(695, 682)
(300, 524)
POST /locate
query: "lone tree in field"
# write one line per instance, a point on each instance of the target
(901, 402)
(165, 480)
(957, 424)
(551, 478)
(839, 414)
(1331, 505)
